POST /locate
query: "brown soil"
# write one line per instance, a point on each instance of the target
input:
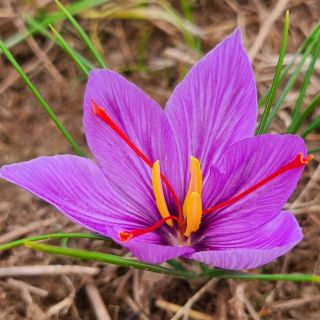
(26, 132)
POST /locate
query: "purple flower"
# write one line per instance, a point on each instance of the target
(190, 181)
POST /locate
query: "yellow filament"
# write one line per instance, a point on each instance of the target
(195, 184)
(193, 213)
(158, 192)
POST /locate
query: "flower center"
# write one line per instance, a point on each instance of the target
(190, 215)
(192, 206)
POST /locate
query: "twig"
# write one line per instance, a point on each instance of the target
(66, 302)
(265, 28)
(135, 308)
(186, 308)
(197, 315)
(238, 300)
(32, 289)
(222, 311)
(41, 55)
(21, 231)
(47, 270)
(241, 295)
(294, 303)
(28, 67)
(31, 309)
(312, 183)
(99, 307)
(307, 209)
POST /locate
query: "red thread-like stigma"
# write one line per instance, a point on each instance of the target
(128, 235)
(102, 114)
(297, 162)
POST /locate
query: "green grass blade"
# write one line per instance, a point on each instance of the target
(311, 38)
(70, 52)
(96, 54)
(179, 22)
(289, 84)
(204, 268)
(276, 80)
(316, 150)
(143, 49)
(176, 265)
(107, 258)
(163, 12)
(296, 121)
(187, 12)
(224, 274)
(308, 111)
(42, 101)
(50, 236)
(312, 126)
(313, 35)
(33, 23)
(74, 8)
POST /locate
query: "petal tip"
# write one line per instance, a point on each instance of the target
(236, 36)
(4, 170)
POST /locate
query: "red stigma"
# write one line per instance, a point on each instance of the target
(297, 162)
(128, 235)
(305, 160)
(102, 114)
(125, 236)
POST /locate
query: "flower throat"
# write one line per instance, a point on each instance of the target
(191, 213)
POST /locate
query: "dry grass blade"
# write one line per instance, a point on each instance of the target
(21, 231)
(131, 303)
(66, 303)
(32, 289)
(39, 53)
(46, 270)
(98, 306)
(151, 14)
(188, 305)
(295, 303)
(275, 13)
(193, 314)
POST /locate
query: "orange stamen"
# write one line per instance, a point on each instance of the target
(102, 114)
(158, 192)
(299, 161)
(193, 213)
(195, 183)
(128, 235)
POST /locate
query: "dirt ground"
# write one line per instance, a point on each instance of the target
(75, 292)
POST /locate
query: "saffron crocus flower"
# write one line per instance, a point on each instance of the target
(189, 181)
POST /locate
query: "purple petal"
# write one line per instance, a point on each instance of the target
(78, 188)
(143, 121)
(215, 105)
(243, 165)
(256, 248)
(155, 253)
(151, 249)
